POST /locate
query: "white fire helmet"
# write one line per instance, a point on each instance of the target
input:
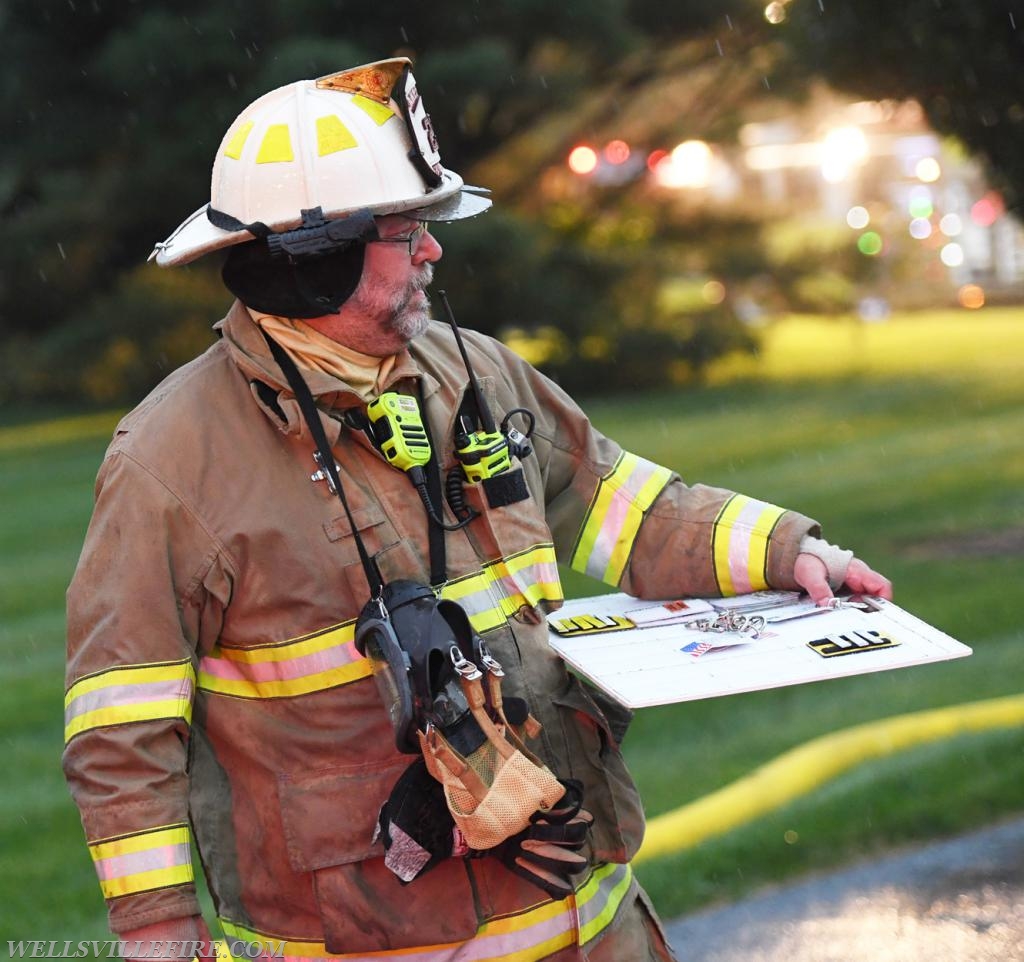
(358, 140)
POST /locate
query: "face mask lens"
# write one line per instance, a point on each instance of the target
(390, 674)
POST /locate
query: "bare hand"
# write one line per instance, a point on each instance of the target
(810, 573)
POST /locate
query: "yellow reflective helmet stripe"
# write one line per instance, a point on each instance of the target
(277, 146)
(332, 135)
(527, 936)
(154, 859)
(237, 143)
(378, 113)
(129, 694)
(613, 519)
(739, 544)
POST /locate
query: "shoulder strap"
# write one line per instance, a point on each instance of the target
(435, 532)
(326, 459)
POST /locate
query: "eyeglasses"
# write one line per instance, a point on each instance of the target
(411, 239)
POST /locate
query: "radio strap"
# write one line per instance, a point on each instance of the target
(326, 459)
(435, 533)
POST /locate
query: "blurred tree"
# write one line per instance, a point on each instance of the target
(961, 59)
(113, 112)
(814, 265)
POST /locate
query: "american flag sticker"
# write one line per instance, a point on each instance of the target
(697, 648)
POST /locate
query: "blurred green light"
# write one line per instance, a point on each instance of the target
(870, 243)
(920, 203)
(921, 207)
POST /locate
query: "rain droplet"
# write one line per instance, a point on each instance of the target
(60, 247)
(405, 36)
(719, 46)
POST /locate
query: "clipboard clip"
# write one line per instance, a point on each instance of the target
(732, 621)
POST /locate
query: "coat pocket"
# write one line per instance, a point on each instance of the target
(329, 818)
(608, 789)
(394, 556)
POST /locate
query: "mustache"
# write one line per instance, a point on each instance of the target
(422, 280)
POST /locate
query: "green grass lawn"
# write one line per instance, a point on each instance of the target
(922, 472)
(918, 466)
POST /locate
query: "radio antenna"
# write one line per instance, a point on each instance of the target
(486, 419)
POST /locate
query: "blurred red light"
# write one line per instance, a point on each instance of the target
(616, 152)
(988, 210)
(655, 157)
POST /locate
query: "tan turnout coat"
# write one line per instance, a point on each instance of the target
(214, 690)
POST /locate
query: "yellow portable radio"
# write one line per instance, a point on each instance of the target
(398, 430)
(482, 454)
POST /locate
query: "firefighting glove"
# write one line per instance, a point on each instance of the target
(547, 853)
(415, 825)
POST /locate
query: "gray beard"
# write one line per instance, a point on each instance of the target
(410, 322)
(406, 319)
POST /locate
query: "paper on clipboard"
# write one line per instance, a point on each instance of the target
(648, 660)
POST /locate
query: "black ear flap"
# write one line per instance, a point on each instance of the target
(310, 287)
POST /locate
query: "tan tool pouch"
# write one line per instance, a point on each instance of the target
(493, 793)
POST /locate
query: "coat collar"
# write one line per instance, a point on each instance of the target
(249, 350)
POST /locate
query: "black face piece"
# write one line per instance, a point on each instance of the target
(410, 651)
(306, 272)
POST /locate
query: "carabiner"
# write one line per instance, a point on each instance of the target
(463, 665)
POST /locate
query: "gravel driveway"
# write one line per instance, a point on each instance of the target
(954, 901)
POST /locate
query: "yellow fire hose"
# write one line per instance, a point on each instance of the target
(804, 768)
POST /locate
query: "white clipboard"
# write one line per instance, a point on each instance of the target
(672, 659)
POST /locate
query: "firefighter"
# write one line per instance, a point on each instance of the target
(254, 523)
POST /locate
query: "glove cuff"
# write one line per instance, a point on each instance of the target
(835, 559)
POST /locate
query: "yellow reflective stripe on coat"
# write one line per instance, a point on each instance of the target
(739, 544)
(610, 527)
(495, 593)
(313, 662)
(527, 936)
(155, 859)
(132, 693)
(328, 658)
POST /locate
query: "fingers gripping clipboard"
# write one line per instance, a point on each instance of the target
(645, 653)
